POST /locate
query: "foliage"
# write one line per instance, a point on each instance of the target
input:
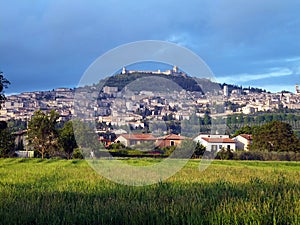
(266, 156)
(42, 133)
(86, 138)
(77, 154)
(199, 150)
(246, 130)
(35, 191)
(117, 146)
(225, 154)
(185, 149)
(66, 139)
(3, 84)
(275, 136)
(7, 142)
(17, 124)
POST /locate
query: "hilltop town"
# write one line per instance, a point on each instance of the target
(119, 108)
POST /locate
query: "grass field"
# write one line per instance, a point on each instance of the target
(34, 191)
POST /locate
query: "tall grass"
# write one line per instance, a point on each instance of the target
(34, 191)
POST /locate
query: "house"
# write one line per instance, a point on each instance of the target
(169, 140)
(200, 136)
(135, 139)
(243, 141)
(25, 154)
(216, 142)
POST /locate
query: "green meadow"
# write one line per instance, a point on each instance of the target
(35, 191)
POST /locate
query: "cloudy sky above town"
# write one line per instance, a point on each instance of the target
(50, 43)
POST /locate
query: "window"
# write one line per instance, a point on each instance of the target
(172, 143)
(220, 146)
(228, 147)
(214, 148)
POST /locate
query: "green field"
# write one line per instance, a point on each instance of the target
(35, 191)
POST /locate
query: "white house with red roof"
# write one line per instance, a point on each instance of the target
(243, 141)
(216, 142)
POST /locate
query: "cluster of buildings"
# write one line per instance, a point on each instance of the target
(212, 142)
(120, 107)
(22, 106)
(251, 102)
(135, 109)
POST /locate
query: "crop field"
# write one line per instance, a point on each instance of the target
(35, 191)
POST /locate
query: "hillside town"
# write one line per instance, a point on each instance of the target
(138, 110)
(111, 100)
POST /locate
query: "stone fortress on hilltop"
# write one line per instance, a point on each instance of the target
(175, 72)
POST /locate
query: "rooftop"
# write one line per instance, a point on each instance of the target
(218, 140)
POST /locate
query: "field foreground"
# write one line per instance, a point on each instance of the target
(34, 191)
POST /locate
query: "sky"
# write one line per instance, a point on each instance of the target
(47, 44)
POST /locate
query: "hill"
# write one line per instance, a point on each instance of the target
(121, 80)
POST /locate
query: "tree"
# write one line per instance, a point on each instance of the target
(66, 139)
(199, 150)
(245, 130)
(42, 132)
(7, 142)
(3, 84)
(207, 119)
(275, 136)
(86, 137)
(240, 118)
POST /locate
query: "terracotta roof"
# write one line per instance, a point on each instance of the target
(218, 140)
(247, 136)
(172, 137)
(138, 136)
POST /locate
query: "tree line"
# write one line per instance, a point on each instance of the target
(275, 136)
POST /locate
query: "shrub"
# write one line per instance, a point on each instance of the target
(77, 154)
(225, 154)
(267, 156)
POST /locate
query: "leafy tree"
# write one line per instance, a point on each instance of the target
(233, 119)
(66, 139)
(240, 118)
(275, 136)
(245, 130)
(260, 119)
(17, 124)
(86, 138)
(228, 120)
(3, 84)
(207, 119)
(199, 150)
(248, 119)
(42, 132)
(7, 142)
(268, 118)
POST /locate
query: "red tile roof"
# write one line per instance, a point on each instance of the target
(218, 140)
(172, 137)
(145, 137)
(247, 136)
